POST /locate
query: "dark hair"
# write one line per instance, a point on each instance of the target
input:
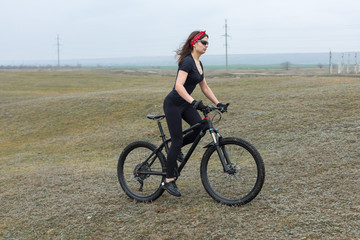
(186, 49)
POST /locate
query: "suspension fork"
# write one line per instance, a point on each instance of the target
(221, 151)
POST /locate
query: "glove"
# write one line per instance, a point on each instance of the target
(198, 105)
(223, 107)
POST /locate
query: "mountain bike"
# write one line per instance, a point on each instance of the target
(232, 170)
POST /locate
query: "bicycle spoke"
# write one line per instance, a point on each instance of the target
(236, 185)
(151, 182)
(135, 166)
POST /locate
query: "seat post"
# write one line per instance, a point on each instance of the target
(163, 137)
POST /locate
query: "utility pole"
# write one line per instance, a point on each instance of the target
(330, 64)
(341, 63)
(58, 49)
(356, 65)
(226, 44)
(348, 64)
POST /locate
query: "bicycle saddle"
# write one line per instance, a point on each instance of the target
(155, 117)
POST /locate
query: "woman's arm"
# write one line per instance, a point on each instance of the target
(208, 92)
(179, 86)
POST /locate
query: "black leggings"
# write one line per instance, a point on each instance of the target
(174, 113)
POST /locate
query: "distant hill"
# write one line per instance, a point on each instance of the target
(208, 60)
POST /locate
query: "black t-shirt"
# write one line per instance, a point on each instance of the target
(194, 77)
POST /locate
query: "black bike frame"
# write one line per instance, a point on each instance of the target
(205, 124)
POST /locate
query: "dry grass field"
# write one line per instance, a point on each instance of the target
(62, 132)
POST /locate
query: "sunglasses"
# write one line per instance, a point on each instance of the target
(203, 42)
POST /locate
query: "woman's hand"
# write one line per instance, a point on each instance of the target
(222, 107)
(198, 105)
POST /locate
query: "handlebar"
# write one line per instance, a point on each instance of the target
(209, 109)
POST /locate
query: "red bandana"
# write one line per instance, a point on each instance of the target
(194, 40)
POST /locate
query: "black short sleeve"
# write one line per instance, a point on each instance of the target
(193, 78)
(186, 64)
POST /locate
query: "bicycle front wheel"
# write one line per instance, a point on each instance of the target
(243, 182)
(137, 158)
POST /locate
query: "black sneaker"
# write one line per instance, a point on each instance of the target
(180, 157)
(171, 188)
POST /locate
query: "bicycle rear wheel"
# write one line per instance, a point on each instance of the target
(139, 186)
(244, 180)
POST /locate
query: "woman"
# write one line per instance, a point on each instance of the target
(179, 105)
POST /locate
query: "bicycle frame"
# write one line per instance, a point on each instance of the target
(205, 124)
(142, 166)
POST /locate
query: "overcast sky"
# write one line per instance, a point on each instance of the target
(119, 28)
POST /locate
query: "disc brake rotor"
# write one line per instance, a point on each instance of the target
(233, 169)
(141, 167)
